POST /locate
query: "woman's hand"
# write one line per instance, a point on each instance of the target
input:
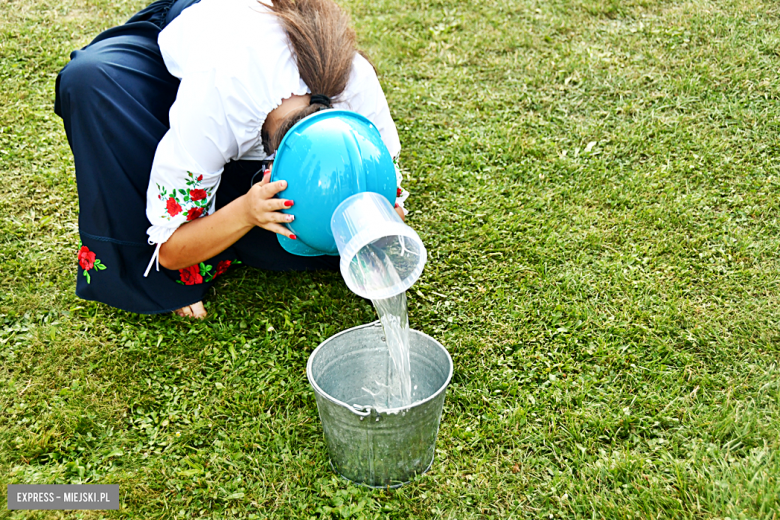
(263, 209)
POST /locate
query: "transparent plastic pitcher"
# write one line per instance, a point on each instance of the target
(380, 255)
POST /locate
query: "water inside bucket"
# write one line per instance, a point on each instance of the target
(378, 260)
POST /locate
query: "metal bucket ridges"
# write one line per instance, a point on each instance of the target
(378, 448)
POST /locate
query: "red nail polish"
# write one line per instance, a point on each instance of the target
(396, 204)
(288, 203)
(293, 237)
(267, 172)
(398, 192)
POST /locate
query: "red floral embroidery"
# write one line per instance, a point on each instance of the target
(194, 213)
(190, 275)
(198, 194)
(86, 258)
(193, 201)
(173, 207)
(203, 273)
(222, 267)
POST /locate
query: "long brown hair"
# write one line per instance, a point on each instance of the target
(323, 44)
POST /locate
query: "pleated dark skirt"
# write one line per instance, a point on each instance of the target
(114, 97)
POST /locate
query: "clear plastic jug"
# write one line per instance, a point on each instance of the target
(380, 255)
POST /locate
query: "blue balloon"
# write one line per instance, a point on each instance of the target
(326, 158)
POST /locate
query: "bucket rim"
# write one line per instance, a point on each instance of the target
(387, 411)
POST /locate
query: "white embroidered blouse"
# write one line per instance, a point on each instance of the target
(235, 67)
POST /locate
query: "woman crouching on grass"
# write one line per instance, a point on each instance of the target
(170, 118)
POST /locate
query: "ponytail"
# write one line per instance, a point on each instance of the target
(323, 44)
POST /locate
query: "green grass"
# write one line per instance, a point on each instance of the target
(597, 183)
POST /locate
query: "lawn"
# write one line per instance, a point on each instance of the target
(597, 183)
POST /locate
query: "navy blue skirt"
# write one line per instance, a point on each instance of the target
(114, 97)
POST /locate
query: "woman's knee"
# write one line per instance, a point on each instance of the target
(85, 74)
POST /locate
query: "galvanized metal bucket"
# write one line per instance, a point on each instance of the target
(384, 448)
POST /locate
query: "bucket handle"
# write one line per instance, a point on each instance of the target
(362, 411)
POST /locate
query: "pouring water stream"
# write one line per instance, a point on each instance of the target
(376, 263)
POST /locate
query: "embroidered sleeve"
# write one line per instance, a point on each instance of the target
(191, 202)
(190, 158)
(210, 126)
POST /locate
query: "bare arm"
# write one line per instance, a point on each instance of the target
(208, 236)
